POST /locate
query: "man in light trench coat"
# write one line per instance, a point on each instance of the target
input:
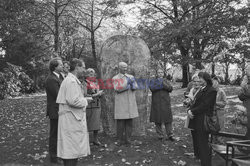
(125, 103)
(73, 137)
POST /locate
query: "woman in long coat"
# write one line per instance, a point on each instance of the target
(188, 102)
(161, 113)
(93, 111)
(204, 103)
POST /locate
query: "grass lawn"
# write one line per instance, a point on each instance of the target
(24, 137)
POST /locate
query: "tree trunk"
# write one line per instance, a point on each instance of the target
(185, 72)
(227, 81)
(213, 68)
(56, 35)
(185, 63)
(93, 47)
(197, 54)
(243, 67)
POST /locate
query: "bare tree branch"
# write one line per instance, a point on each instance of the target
(192, 8)
(64, 7)
(161, 10)
(99, 24)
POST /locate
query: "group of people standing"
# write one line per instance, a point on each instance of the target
(204, 96)
(69, 111)
(74, 108)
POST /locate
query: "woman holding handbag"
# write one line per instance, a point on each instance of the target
(203, 106)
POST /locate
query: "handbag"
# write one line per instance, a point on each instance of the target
(187, 120)
(211, 123)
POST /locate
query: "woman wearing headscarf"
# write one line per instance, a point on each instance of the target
(190, 97)
(161, 113)
(93, 111)
(221, 102)
(204, 103)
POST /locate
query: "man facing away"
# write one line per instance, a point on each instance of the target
(52, 85)
(125, 103)
(73, 137)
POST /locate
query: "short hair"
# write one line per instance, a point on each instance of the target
(206, 77)
(65, 62)
(214, 77)
(75, 62)
(54, 63)
(195, 76)
(90, 70)
(123, 64)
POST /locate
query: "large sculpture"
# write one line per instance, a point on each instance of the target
(136, 54)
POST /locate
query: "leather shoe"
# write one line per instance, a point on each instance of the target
(97, 143)
(171, 138)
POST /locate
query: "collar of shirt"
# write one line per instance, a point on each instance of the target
(58, 76)
(73, 76)
(122, 75)
(63, 74)
(203, 87)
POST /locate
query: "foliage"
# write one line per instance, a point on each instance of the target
(14, 82)
(188, 28)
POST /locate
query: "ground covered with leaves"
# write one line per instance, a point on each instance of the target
(24, 137)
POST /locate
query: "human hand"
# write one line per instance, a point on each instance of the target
(100, 93)
(89, 99)
(190, 114)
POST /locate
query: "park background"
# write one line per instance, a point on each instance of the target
(182, 35)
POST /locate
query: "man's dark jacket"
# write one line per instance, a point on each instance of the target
(52, 85)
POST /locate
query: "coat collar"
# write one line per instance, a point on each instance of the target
(56, 74)
(201, 91)
(120, 75)
(74, 77)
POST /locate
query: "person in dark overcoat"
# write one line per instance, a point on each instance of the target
(161, 113)
(52, 85)
(204, 103)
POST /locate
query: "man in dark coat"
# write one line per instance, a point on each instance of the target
(52, 85)
(161, 113)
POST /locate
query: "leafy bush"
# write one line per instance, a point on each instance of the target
(14, 81)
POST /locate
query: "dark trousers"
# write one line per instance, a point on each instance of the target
(53, 138)
(195, 143)
(70, 162)
(203, 148)
(124, 129)
(159, 131)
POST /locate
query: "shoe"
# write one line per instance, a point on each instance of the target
(97, 143)
(119, 143)
(171, 138)
(53, 160)
(160, 138)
